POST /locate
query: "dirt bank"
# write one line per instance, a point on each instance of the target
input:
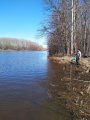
(73, 86)
(84, 62)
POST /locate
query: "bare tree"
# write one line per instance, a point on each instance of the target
(15, 44)
(68, 26)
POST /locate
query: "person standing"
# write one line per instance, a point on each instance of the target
(78, 56)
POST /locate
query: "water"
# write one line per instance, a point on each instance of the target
(34, 88)
(70, 87)
(24, 86)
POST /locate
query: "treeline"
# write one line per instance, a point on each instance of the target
(15, 44)
(68, 26)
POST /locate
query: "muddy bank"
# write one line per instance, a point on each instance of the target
(73, 87)
(76, 95)
(84, 62)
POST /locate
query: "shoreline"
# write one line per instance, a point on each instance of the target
(84, 62)
(77, 91)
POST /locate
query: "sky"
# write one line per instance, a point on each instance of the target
(21, 19)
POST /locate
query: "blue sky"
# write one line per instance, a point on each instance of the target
(21, 19)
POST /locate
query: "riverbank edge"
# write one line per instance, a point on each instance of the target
(80, 108)
(84, 62)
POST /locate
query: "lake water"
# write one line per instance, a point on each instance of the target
(24, 88)
(29, 87)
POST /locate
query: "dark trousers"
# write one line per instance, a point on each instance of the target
(77, 60)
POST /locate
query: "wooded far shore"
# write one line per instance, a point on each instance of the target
(10, 44)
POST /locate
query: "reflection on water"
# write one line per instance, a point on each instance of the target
(34, 88)
(71, 88)
(24, 86)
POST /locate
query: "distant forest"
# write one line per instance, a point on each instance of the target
(16, 44)
(67, 26)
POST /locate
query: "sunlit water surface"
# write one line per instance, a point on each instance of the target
(29, 87)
